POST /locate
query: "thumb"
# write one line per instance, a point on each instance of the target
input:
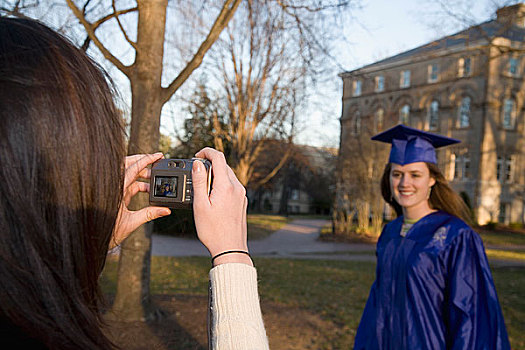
(151, 213)
(200, 186)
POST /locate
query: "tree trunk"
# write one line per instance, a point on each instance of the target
(132, 301)
(363, 216)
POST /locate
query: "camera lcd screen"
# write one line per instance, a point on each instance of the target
(166, 186)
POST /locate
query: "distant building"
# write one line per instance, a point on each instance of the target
(469, 86)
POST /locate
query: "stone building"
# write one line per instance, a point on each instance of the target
(468, 86)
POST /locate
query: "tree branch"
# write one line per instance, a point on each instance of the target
(90, 30)
(131, 42)
(278, 167)
(227, 12)
(104, 19)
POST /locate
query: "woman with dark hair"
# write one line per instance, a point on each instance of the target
(64, 186)
(433, 287)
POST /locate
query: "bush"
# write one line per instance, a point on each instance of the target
(516, 225)
(491, 225)
(179, 224)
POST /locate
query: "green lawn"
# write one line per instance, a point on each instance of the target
(336, 291)
(260, 225)
(500, 237)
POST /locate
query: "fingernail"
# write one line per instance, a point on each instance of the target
(165, 212)
(197, 166)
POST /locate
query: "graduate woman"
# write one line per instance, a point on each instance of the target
(433, 288)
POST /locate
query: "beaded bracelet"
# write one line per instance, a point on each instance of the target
(232, 251)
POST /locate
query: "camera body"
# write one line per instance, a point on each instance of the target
(171, 183)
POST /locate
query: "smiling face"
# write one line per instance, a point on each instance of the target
(410, 185)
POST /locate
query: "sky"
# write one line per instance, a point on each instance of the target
(376, 30)
(380, 29)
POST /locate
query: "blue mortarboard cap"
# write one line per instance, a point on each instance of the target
(411, 145)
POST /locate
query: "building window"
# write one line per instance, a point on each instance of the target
(433, 115)
(466, 167)
(464, 112)
(404, 114)
(294, 194)
(513, 66)
(464, 68)
(503, 212)
(452, 167)
(357, 88)
(356, 124)
(509, 114)
(461, 163)
(380, 83)
(433, 73)
(405, 79)
(505, 169)
(379, 119)
(457, 167)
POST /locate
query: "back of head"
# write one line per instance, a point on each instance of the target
(61, 154)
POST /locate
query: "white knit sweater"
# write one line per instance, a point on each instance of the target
(235, 314)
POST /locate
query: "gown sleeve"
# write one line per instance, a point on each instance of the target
(473, 316)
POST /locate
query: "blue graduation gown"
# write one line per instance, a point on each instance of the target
(433, 290)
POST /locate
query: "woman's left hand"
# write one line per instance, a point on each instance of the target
(127, 220)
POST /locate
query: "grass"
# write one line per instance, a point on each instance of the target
(505, 254)
(335, 291)
(501, 237)
(261, 226)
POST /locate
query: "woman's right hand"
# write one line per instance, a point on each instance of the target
(220, 218)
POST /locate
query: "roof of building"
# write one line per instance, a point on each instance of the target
(487, 30)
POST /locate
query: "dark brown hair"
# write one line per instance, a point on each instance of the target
(61, 179)
(442, 196)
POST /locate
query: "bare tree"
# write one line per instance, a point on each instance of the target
(261, 74)
(359, 177)
(148, 96)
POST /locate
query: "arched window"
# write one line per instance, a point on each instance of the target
(404, 114)
(509, 114)
(464, 112)
(379, 119)
(433, 115)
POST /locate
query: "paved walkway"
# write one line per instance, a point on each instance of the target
(297, 239)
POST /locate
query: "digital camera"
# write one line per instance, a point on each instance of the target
(171, 183)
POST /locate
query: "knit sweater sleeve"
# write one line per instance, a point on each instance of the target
(235, 320)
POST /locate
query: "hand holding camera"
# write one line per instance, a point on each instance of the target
(220, 217)
(219, 206)
(127, 220)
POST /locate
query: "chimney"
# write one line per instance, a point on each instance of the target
(514, 14)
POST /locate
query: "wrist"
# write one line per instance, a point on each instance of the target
(234, 256)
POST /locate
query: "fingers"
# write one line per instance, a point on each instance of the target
(151, 213)
(133, 189)
(136, 166)
(219, 166)
(200, 185)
